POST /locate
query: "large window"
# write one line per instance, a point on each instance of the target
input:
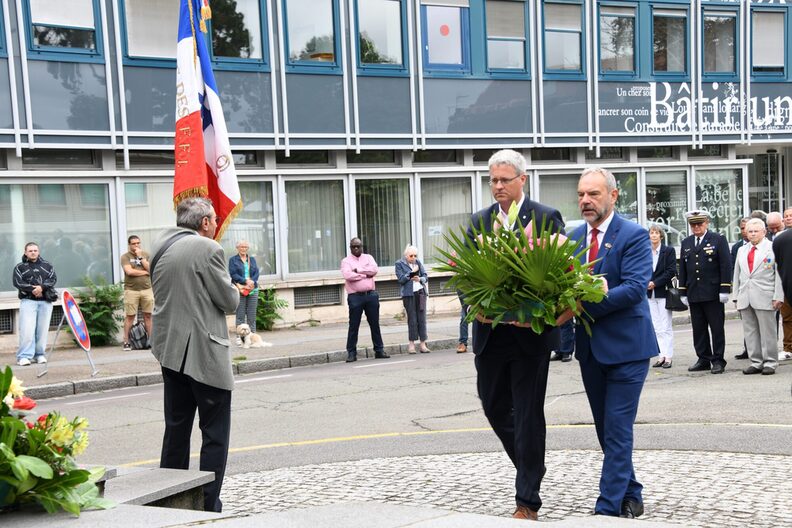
(148, 211)
(617, 39)
(445, 205)
(236, 29)
(151, 28)
(72, 231)
(506, 40)
(383, 218)
(310, 28)
(768, 42)
(719, 42)
(563, 37)
(720, 192)
(446, 29)
(380, 32)
(669, 40)
(316, 235)
(256, 224)
(63, 26)
(666, 203)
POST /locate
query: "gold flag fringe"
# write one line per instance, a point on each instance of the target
(227, 222)
(195, 192)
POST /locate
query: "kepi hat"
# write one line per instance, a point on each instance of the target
(697, 216)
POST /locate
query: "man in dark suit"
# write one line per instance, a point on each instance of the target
(511, 360)
(782, 248)
(737, 245)
(704, 282)
(614, 359)
(193, 294)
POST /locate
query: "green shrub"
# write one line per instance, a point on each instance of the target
(101, 305)
(267, 309)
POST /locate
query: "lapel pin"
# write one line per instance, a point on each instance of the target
(608, 245)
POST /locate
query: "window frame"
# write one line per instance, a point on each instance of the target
(315, 67)
(624, 74)
(510, 73)
(580, 74)
(387, 70)
(770, 76)
(721, 11)
(222, 63)
(64, 54)
(677, 76)
(431, 69)
(3, 51)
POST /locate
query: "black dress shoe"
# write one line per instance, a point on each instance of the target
(566, 358)
(718, 368)
(752, 370)
(351, 356)
(744, 355)
(631, 508)
(556, 356)
(768, 371)
(699, 366)
(381, 355)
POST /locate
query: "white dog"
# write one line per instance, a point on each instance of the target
(249, 339)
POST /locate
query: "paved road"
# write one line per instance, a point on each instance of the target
(712, 450)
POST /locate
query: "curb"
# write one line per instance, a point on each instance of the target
(71, 388)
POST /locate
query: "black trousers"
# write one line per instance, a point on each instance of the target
(183, 395)
(358, 304)
(512, 385)
(707, 318)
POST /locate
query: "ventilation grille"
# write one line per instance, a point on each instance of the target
(439, 287)
(6, 321)
(389, 290)
(57, 315)
(317, 296)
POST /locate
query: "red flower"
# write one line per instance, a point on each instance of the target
(24, 403)
(29, 425)
(42, 420)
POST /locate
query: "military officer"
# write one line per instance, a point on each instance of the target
(704, 282)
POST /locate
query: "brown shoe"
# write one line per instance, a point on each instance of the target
(461, 348)
(524, 512)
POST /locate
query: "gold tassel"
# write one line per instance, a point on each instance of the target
(206, 11)
(203, 26)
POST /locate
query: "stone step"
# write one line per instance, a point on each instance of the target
(167, 488)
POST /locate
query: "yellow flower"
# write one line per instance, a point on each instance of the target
(80, 424)
(9, 400)
(80, 445)
(16, 390)
(61, 432)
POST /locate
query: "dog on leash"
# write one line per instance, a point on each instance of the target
(250, 339)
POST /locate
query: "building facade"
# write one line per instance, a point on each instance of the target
(375, 118)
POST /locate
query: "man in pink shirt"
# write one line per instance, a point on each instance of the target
(359, 270)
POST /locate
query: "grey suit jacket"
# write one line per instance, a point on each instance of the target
(192, 295)
(760, 287)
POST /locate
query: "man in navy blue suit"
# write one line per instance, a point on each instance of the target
(614, 360)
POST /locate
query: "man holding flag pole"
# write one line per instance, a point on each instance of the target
(192, 288)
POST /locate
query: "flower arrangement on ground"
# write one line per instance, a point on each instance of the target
(529, 276)
(37, 458)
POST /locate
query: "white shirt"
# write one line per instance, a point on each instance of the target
(504, 215)
(602, 228)
(655, 260)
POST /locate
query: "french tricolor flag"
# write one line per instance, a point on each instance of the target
(204, 165)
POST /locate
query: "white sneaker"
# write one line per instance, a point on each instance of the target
(40, 359)
(784, 355)
(24, 362)
(238, 341)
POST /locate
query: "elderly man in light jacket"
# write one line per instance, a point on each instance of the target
(193, 293)
(758, 293)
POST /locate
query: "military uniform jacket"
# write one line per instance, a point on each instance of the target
(704, 271)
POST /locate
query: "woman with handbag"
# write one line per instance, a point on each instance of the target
(35, 279)
(245, 275)
(412, 276)
(664, 266)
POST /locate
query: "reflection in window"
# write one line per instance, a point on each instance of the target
(146, 158)
(151, 28)
(136, 193)
(505, 35)
(617, 39)
(310, 30)
(551, 154)
(720, 192)
(58, 158)
(707, 151)
(444, 39)
(148, 211)
(560, 190)
(435, 156)
(93, 195)
(606, 153)
(666, 203)
(380, 31)
(54, 26)
(627, 202)
(302, 157)
(445, 205)
(719, 32)
(768, 43)
(655, 152)
(670, 47)
(383, 217)
(73, 238)
(562, 37)
(236, 29)
(483, 155)
(256, 224)
(316, 237)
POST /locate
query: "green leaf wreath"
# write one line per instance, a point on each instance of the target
(529, 276)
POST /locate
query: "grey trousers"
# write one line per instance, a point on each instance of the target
(761, 337)
(246, 311)
(415, 307)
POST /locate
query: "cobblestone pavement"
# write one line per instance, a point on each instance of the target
(682, 487)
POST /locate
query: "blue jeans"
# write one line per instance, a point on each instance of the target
(463, 324)
(567, 337)
(34, 322)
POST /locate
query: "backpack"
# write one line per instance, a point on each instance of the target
(138, 337)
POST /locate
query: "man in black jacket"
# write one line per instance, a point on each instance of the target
(35, 279)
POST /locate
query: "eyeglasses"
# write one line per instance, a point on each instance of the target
(355, 246)
(412, 255)
(502, 181)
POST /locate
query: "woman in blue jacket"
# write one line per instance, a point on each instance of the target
(245, 274)
(412, 276)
